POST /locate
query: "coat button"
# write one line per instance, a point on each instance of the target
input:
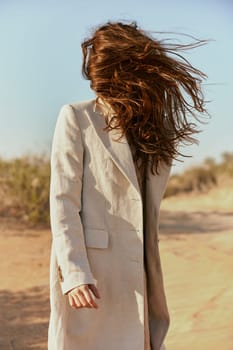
(61, 279)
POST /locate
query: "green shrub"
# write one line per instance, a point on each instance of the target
(27, 180)
(201, 178)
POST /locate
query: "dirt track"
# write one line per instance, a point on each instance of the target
(196, 252)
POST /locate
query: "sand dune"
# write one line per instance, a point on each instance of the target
(196, 245)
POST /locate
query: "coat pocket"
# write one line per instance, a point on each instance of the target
(96, 238)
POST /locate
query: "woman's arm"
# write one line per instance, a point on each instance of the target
(65, 202)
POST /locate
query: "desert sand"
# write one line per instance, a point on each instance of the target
(196, 246)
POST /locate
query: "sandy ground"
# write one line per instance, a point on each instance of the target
(196, 245)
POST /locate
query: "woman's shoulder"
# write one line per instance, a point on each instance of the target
(81, 106)
(72, 114)
(75, 110)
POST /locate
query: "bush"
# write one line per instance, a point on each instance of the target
(26, 182)
(201, 178)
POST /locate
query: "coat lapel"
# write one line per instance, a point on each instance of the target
(119, 151)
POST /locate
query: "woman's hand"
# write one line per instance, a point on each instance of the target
(83, 296)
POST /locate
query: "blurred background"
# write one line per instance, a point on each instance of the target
(40, 70)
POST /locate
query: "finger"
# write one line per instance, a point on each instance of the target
(88, 296)
(94, 290)
(81, 298)
(72, 301)
(78, 304)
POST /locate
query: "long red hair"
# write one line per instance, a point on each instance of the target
(150, 87)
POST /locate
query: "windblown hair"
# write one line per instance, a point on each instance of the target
(151, 88)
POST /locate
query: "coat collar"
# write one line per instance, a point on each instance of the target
(119, 150)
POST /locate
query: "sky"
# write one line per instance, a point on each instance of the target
(40, 64)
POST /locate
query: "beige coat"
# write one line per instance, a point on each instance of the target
(97, 228)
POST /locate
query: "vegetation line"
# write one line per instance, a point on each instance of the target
(24, 184)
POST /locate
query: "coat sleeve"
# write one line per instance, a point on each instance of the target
(65, 202)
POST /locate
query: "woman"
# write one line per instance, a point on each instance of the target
(110, 164)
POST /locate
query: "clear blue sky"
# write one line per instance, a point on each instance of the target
(40, 63)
